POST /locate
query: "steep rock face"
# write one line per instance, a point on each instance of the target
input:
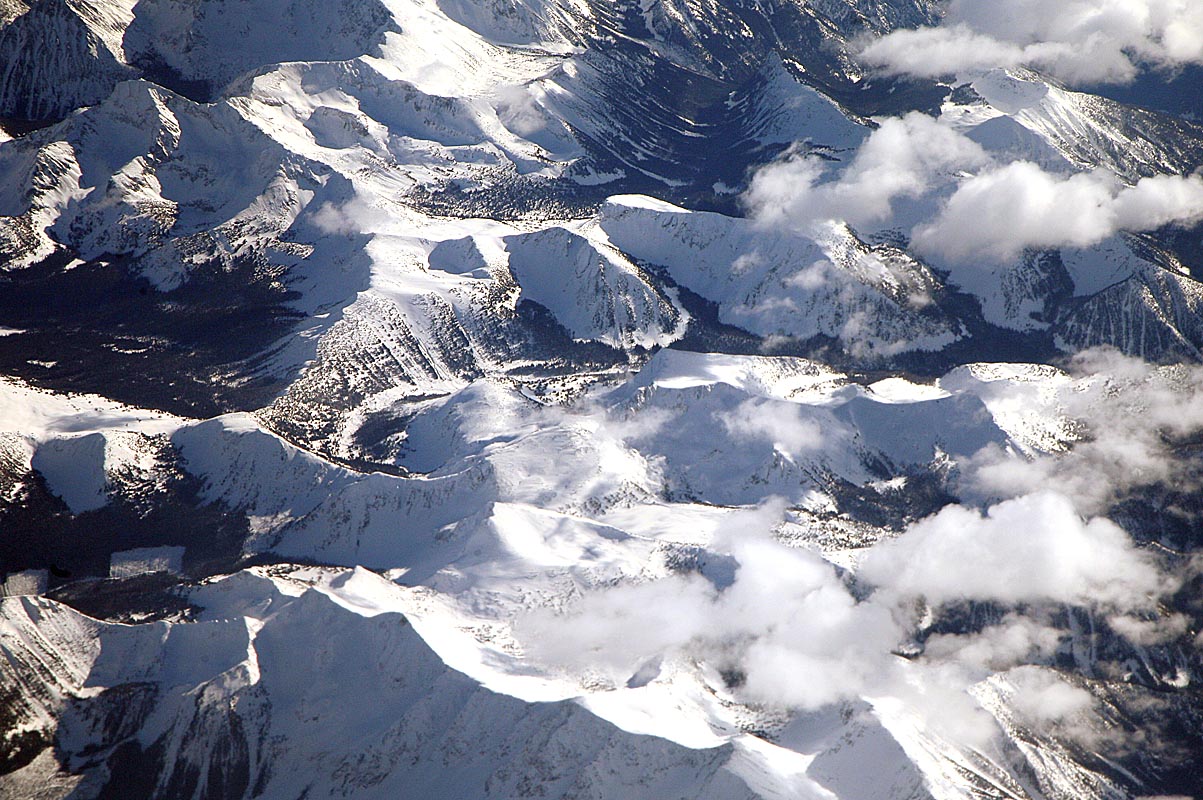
(693, 427)
(489, 533)
(1085, 129)
(531, 308)
(774, 109)
(523, 23)
(61, 54)
(326, 141)
(712, 37)
(148, 171)
(1153, 314)
(203, 46)
(312, 508)
(371, 354)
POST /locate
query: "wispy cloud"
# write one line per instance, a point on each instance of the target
(1128, 415)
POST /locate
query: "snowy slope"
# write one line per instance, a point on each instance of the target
(1082, 129)
(781, 285)
(490, 534)
(261, 711)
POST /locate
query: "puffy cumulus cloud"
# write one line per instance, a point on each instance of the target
(787, 629)
(999, 213)
(904, 157)
(990, 213)
(934, 52)
(782, 193)
(792, 627)
(802, 634)
(1077, 40)
(1157, 201)
(800, 619)
(1031, 549)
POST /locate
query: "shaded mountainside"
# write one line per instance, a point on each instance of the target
(261, 714)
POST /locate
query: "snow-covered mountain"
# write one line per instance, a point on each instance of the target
(570, 398)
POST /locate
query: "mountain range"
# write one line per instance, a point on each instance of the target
(597, 399)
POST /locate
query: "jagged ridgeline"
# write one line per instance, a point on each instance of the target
(490, 399)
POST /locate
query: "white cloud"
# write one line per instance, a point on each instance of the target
(992, 213)
(800, 619)
(1043, 696)
(336, 220)
(621, 628)
(1148, 632)
(1076, 40)
(818, 275)
(1158, 201)
(1031, 549)
(802, 639)
(902, 158)
(1016, 640)
(786, 614)
(998, 214)
(934, 52)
